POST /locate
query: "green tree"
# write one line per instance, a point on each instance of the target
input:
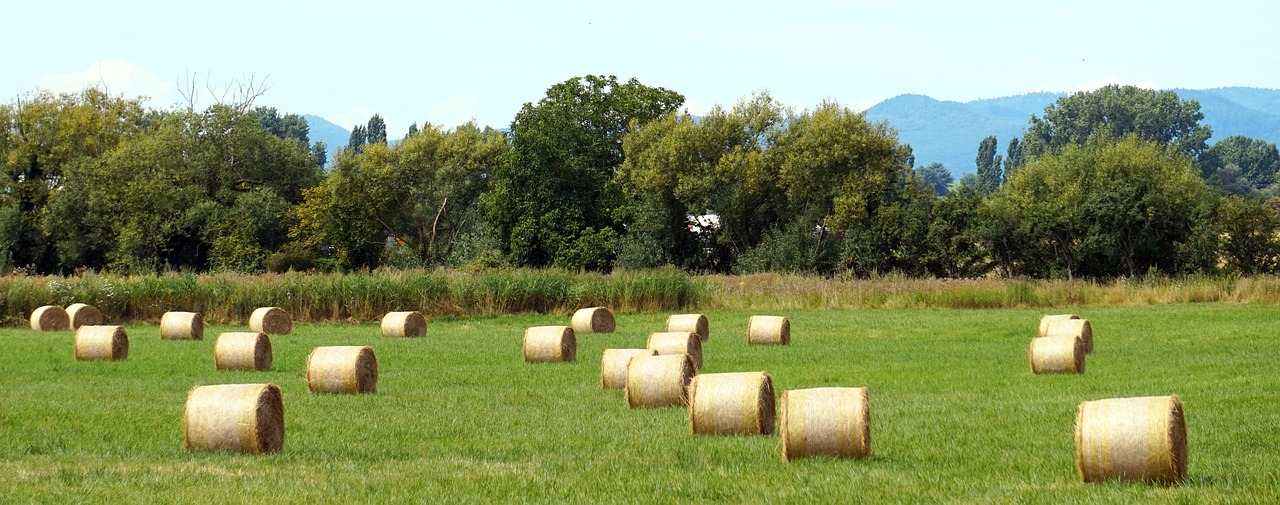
(1116, 111)
(936, 175)
(1013, 157)
(376, 131)
(288, 126)
(989, 174)
(359, 138)
(1256, 161)
(1248, 231)
(320, 153)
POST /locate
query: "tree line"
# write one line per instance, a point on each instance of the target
(601, 174)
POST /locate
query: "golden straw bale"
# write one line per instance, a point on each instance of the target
(342, 369)
(236, 417)
(1073, 327)
(593, 320)
(738, 403)
(106, 343)
(659, 381)
(613, 366)
(182, 326)
(769, 330)
(83, 315)
(550, 344)
(677, 342)
(404, 324)
(270, 320)
(696, 323)
(1056, 354)
(833, 421)
(249, 350)
(1048, 319)
(1133, 439)
(50, 318)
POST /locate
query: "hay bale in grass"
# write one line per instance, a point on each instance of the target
(1056, 354)
(593, 320)
(737, 403)
(235, 417)
(550, 344)
(270, 320)
(342, 369)
(182, 326)
(1074, 327)
(677, 342)
(242, 351)
(404, 324)
(696, 323)
(613, 366)
(50, 318)
(659, 381)
(834, 422)
(1048, 319)
(101, 343)
(83, 315)
(1133, 439)
(769, 330)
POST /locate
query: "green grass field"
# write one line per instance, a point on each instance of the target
(459, 418)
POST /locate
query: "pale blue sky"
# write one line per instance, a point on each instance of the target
(450, 62)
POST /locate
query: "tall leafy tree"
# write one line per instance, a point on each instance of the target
(989, 173)
(1116, 111)
(1257, 161)
(376, 131)
(359, 138)
(287, 126)
(936, 175)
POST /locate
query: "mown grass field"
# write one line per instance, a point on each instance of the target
(459, 418)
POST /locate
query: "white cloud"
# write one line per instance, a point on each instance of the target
(118, 78)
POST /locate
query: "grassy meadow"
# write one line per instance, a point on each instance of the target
(459, 418)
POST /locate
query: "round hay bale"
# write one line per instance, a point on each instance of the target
(1056, 354)
(235, 417)
(833, 422)
(769, 330)
(659, 381)
(404, 324)
(50, 318)
(83, 315)
(593, 320)
(182, 326)
(1132, 439)
(613, 366)
(696, 323)
(1074, 327)
(738, 403)
(550, 344)
(677, 342)
(1048, 319)
(105, 343)
(342, 369)
(242, 351)
(270, 320)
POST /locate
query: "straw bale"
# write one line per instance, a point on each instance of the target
(1056, 354)
(769, 330)
(83, 315)
(1132, 439)
(235, 417)
(737, 403)
(696, 323)
(105, 343)
(1074, 327)
(270, 320)
(342, 369)
(182, 326)
(249, 350)
(404, 324)
(550, 344)
(659, 381)
(832, 421)
(677, 342)
(613, 366)
(50, 318)
(593, 320)
(1048, 319)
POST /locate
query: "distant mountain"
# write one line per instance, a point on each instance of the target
(949, 132)
(332, 135)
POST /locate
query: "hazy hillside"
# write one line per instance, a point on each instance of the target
(332, 135)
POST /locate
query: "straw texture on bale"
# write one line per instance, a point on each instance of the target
(738, 403)
(550, 344)
(342, 369)
(242, 351)
(50, 318)
(1048, 319)
(696, 323)
(105, 343)
(677, 342)
(1073, 327)
(613, 366)
(593, 320)
(659, 381)
(1056, 354)
(182, 326)
(270, 320)
(1132, 439)
(769, 330)
(235, 417)
(404, 324)
(83, 315)
(834, 422)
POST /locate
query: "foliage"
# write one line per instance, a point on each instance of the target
(989, 167)
(1255, 161)
(1248, 231)
(936, 175)
(1114, 112)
